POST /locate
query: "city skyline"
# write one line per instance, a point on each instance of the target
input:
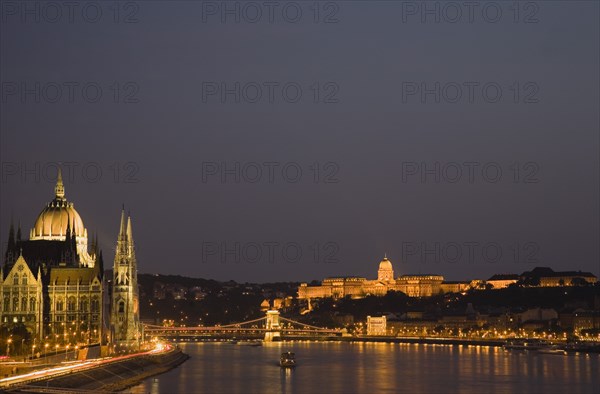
(289, 196)
(426, 255)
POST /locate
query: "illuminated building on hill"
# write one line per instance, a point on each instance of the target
(420, 285)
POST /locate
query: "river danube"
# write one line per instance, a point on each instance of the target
(332, 367)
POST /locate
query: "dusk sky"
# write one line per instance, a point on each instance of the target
(385, 132)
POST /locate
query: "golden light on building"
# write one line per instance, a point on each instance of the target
(426, 285)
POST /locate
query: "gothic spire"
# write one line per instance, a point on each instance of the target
(68, 232)
(130, 245)
(59, 189)
(122, 230)
(74, 238)
(125, 297)
(129, 232)
(11, 235)
(19, 233)
(11, 246)
(122, 241)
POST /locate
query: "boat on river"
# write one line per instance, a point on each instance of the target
(514, 344)
(525, 344)
(583, 346)
(552, 349)
(287, 360)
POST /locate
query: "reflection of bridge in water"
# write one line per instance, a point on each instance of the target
(271, 327)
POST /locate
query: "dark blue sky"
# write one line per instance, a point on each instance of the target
(369, 149)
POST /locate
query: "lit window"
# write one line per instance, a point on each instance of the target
(71, 304)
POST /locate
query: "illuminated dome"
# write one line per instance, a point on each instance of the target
(386, 271)
(58, 216)
(53, 221)
(385, 264)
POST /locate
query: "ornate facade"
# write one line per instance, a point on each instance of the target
(21, 295)
(54, 282)
(75, 307)
(411, 285)
(59, 275)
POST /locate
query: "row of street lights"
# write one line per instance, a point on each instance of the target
(9, 341)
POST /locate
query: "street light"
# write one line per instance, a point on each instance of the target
(8, 342)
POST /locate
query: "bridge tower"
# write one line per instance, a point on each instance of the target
(272, 326)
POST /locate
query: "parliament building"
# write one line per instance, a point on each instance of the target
(54, 283)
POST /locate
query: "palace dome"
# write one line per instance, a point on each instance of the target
(58, 214)
(385, 264)
(385, 272)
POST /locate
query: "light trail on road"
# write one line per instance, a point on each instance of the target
(80, 366)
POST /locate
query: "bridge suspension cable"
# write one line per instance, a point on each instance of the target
(299, 323)
(304, 326)
(244, 322)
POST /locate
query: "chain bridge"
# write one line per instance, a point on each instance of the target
(270, 327)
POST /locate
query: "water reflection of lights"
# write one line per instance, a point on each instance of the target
(359, 367)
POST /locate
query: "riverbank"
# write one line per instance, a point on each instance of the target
(105, 375)
(157, 367)
(388, 339)
(425, 340)
(579, 348)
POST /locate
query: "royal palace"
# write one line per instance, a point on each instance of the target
(412, 285)
(427, 285)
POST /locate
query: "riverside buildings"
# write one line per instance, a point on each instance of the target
(54, 283)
